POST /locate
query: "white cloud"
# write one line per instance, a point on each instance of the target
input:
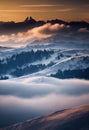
(23, 38)
(41, 5)
(43, 94)
(41, 86)
(23, 10)
(83, 30)
(65, 10)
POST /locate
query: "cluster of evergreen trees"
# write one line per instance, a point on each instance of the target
(3, 77)
(18, 60)
(81, 74)
(27, 70)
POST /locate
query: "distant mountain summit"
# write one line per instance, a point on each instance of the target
(29, 23)
(57, 21)
(30, 20)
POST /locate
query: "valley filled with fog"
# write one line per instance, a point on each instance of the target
(42, 70)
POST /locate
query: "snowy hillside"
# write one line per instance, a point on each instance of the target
(47, 61)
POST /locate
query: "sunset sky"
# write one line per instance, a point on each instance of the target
(18, 10)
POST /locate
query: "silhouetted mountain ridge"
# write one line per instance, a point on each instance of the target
(29, 22)
(30, 19)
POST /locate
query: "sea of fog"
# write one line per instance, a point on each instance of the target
(26, 98)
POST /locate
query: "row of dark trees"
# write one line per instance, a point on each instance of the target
(81, 74)
(27, 70)
(23, 58)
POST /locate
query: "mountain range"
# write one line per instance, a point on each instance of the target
(29, 23)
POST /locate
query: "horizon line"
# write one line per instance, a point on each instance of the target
(45, 20)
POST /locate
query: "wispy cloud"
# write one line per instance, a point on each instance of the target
(21, 11)
(41, 5)
(22, 38)
(83, 30)
(70, 92)
(38, 32)
(65, 10)
(36, 10)
(67, 87)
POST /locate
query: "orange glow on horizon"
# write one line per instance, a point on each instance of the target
(19, 10)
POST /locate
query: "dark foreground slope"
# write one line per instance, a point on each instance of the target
(76, 118)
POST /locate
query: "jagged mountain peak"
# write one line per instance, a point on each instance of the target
(59, 21)
(30, 19)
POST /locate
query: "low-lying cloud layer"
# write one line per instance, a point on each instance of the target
(23, 38)
(38, 33)
(31, 97)
(42, 88)
(48, 31)
(33, 89)
(83, 30)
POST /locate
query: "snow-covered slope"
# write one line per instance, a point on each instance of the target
(71, 63)
(43, 60)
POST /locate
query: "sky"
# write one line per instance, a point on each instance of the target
(18, 10)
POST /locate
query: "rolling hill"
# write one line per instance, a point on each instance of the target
(76, 118)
